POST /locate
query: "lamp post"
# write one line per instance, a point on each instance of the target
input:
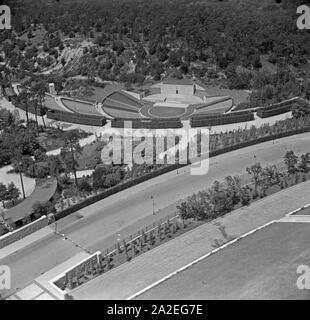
(153, 202)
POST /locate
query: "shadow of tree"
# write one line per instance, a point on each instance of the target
(225, 236)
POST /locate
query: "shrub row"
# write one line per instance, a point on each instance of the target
(90, 120)
(148, 123)
(169, 168)
(216, 120)
(276, 108)
(104, 261)
(31, 109)
(217, 115)
(273, 111)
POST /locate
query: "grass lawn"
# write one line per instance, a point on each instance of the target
(303, 212)
(53, 139)
(260, 266)
(90, 156)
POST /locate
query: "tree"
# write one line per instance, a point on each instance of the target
(291, 160)
(268, 177)
(41, 209)
(107, 176)
(17, 156)
(13, 192)
(220, 198)
(234, 188)
(304, 162)
(24, 98)
(85, 186)
(197, 206)
(38, 91)
(39, 155)
(55, 166)
(3, 193)
(255, 171)
(174, 59)
(70, 151)
(300, 110)
(245, 197)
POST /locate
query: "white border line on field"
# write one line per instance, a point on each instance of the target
(297, 210)
(198, 260)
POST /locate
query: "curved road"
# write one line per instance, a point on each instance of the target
(98, 225)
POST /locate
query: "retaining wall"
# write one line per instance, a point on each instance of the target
(22, 232)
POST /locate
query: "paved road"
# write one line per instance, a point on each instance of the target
(92, 226)
(145, 270)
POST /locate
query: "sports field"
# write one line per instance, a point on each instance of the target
(260, 266)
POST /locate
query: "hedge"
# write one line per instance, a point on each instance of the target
(218, 115)
(133, 182)
(262, 113)
(148, 123)
(277, 108)
(90, 120)
(216, 120)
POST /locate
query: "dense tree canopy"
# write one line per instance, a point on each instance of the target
(157, 35)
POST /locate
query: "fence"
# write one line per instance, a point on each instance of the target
(138, 234)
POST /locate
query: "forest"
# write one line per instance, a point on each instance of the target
(239, 44)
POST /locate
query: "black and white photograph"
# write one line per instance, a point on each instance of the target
(154, 154)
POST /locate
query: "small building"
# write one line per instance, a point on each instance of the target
(52, 89)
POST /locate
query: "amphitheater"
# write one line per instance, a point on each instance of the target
(171, 99)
